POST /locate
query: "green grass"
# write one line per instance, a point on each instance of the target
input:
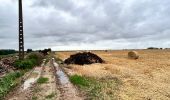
(50, 96)
(42, 80)
(97, 89)
(79, 80)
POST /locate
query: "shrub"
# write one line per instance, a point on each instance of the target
(29, 50)
(33, 59)
(24, 64)
(36, 56)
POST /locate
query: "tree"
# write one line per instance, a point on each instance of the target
(29, 50)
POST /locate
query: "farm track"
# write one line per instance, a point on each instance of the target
(23, 91)
(66, 88)
(58, 86)
(48, 90)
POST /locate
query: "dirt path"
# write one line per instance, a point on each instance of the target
(58, 86)
(24, 92)
(67, 90)
(48, 90)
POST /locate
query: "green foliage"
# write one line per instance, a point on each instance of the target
(36, 56)
(42, 80)
(79, 80)
(7, 52)
(8, 82)
(24, 64)
(33, 59)
(29, 50)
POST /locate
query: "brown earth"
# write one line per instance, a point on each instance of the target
(147, 78)
(56, 87)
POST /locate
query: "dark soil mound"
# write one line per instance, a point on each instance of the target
(83, 58)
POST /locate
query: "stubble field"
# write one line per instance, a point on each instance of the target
(147, 78)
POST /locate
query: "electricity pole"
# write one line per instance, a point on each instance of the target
(21, 33)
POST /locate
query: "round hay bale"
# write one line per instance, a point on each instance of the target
(133, 55)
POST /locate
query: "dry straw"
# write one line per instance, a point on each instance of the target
(133, 55)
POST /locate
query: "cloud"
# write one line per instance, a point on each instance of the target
(87, 24)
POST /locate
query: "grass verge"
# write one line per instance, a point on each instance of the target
(96, 89)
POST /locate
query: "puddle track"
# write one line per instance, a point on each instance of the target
(48, 88)
(67, 90)
(24, 92)
(27, 84)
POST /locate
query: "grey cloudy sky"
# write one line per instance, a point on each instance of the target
(87, 24)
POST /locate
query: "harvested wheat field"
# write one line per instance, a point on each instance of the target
(147, 78)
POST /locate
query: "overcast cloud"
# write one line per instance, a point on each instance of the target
(87, 24)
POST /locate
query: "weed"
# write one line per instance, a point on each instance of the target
(79, 80)
(42, 80)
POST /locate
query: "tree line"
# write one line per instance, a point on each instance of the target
(7, 51)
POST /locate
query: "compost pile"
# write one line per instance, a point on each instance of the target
(6, 64)
(84, 58)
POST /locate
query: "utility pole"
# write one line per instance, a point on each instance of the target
(21, 32)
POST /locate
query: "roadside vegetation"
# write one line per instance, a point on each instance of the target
(11, 79)
(33, 59)
(9, 82)
(96, 89)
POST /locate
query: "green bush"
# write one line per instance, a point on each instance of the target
(33, 59)
(8, 82)
(36, 56)
(24, 64)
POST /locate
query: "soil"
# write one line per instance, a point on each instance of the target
(58, 86)
(67, 90)
(24, 91)
(43, 91)
(83, 58)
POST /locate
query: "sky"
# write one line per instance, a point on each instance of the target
(86, 24)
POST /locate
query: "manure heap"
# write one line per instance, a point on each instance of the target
(83, 58)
